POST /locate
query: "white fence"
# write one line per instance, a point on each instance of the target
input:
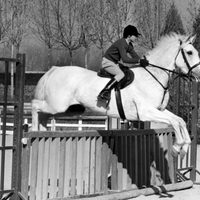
(65, 123)
(78, 123)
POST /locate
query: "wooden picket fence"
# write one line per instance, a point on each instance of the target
(67, 164)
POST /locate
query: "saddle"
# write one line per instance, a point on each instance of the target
(128, 79)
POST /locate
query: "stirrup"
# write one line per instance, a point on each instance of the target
(103, 99)
(104, 95)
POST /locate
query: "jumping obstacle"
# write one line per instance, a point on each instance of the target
(69, 164)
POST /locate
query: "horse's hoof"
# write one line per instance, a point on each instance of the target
(175, 150)
(182, 153)
(184, 150)
(185, 147)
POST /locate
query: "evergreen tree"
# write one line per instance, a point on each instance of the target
(196, 30)
(173, 21)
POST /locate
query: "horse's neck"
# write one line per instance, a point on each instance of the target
(165, 62)
(161, 74)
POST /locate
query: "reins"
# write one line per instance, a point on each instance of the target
(168, 71)
(165, 88)
(179, 74)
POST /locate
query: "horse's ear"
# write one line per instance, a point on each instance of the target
(191, 38)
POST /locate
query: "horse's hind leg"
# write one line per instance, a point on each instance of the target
(39, 106)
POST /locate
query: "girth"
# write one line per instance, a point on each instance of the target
(128, 79)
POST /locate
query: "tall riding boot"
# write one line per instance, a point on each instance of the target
(106, 92)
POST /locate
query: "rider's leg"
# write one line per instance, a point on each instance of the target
(114, 69)
(106, 92)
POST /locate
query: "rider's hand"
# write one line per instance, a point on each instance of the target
(144, 62)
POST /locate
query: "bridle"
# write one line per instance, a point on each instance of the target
(179, 74)
(189, 75)
(175, 72)
(188, 64)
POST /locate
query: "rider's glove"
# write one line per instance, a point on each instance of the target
(144, 62)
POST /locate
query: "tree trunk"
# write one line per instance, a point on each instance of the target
(49, 56)
(86, 56)
(71, 56)
(12, 73)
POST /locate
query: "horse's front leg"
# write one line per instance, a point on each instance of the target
(149, 113)
(184, 131)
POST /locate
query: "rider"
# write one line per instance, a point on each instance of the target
(119, 51)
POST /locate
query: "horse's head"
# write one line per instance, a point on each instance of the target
(187, 59)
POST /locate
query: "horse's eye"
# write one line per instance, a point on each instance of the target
(189, 53)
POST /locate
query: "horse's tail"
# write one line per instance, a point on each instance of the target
(40, 89)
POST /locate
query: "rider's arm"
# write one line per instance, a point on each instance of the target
(125, 49)
(126, 59)
(132, 52)
(135, 59)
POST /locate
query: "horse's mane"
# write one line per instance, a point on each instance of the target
(167, 43)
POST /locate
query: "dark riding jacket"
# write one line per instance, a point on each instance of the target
(119, 50)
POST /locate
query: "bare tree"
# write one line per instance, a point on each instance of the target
(17, 16)
(68, 28)
(87, 36)
(4, 22)
(150, 17)
(16, 12)
(118, 16)
(196, 30)
(100, 23)
(43, 25)
(193, 10)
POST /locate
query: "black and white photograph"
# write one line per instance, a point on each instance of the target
(99, 99)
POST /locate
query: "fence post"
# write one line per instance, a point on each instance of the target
(18, 123)
(194, 120)
(3, 143)
(113, 123)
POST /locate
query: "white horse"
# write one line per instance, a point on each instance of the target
(145, 98)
